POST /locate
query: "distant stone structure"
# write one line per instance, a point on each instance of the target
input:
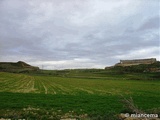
(137, 65)
(136, 62)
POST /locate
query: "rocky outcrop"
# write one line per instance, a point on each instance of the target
(20, 66)
(137, 65)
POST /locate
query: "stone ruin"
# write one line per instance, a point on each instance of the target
(136, 62)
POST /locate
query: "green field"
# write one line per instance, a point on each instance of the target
(82, 94)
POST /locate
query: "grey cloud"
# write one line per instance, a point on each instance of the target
(53, 32)
(152, 23)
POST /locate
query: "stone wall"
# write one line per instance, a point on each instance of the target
(136, 62)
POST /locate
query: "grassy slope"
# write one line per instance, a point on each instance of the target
(18, 67)
(84, 91)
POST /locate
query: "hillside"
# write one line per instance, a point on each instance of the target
(16, 67)
(83, 94)
(92, 94)
(153, 67)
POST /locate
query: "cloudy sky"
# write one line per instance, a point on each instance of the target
(60, 34)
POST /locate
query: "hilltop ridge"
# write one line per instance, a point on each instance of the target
(19, 66)
(137, 65)
(136, 62)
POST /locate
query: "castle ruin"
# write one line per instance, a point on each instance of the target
(136, 62)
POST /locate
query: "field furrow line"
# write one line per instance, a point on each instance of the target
(48, 86)
(45, 88)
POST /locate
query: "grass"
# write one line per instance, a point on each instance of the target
(78, 103)
(94, 93)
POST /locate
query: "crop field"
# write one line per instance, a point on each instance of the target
(66, 94)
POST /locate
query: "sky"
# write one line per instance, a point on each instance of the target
(68, 34)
